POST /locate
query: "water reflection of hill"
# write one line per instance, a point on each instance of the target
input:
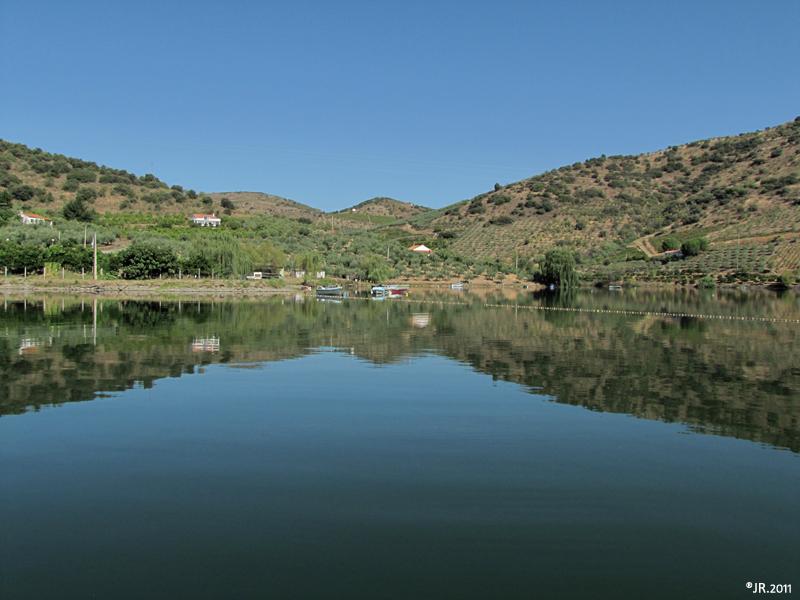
(735, 378)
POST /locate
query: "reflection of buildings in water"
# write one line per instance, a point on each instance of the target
(32, 345)
(420, 320)
(209, 344)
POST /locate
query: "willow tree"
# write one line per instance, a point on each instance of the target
(311, 263)
(558, 268)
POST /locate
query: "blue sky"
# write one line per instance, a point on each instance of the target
(330, 103)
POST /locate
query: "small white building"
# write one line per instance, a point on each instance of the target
(204, 220)
(34, 219)
(420, 249)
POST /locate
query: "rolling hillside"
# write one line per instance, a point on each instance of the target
(43, 182)
(742, 193)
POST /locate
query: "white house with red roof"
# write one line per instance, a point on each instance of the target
(204, 220)
(33, 219)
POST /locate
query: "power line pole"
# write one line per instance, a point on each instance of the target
(94, 262)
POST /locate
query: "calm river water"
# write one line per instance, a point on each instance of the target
(447, 445)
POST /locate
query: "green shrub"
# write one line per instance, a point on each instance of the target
(694, 246)
(82, 175)
(707, 282)
(76, 210)
(146, 261)
(70, 255)
(670, 243)
(86, 194)
(22, 192)
(123, 190)
(786, 280)
(476, 208)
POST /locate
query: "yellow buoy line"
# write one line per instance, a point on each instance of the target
(604, 311)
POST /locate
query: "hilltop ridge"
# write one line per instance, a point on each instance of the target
(387, 207)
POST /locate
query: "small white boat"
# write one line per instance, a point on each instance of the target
(329, 290)
(458, 285)
(379, 291)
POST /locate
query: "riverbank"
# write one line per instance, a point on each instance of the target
(122, 287)
(271, 287)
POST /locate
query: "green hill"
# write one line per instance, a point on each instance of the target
(385, 208)
(43, 182)
(742, 193)
(258, 203)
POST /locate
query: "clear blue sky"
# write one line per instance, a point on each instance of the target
(330, 103)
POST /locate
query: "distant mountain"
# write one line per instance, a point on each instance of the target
(387, 207)
(261, 203)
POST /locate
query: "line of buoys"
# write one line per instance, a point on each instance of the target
(608, 311)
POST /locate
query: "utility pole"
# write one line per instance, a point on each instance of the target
(94, 262)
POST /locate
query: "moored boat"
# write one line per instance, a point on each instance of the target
(397, 290)
(379, 291)
(329, 290)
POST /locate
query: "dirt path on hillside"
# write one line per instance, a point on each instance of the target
(645, 245)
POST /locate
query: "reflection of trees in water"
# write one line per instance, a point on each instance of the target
(728, 377)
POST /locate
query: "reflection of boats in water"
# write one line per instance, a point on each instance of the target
(209, 344)
(331, 299)
(420, 320)
(32, 345)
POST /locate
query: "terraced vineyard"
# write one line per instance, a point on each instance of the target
(744, 188)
